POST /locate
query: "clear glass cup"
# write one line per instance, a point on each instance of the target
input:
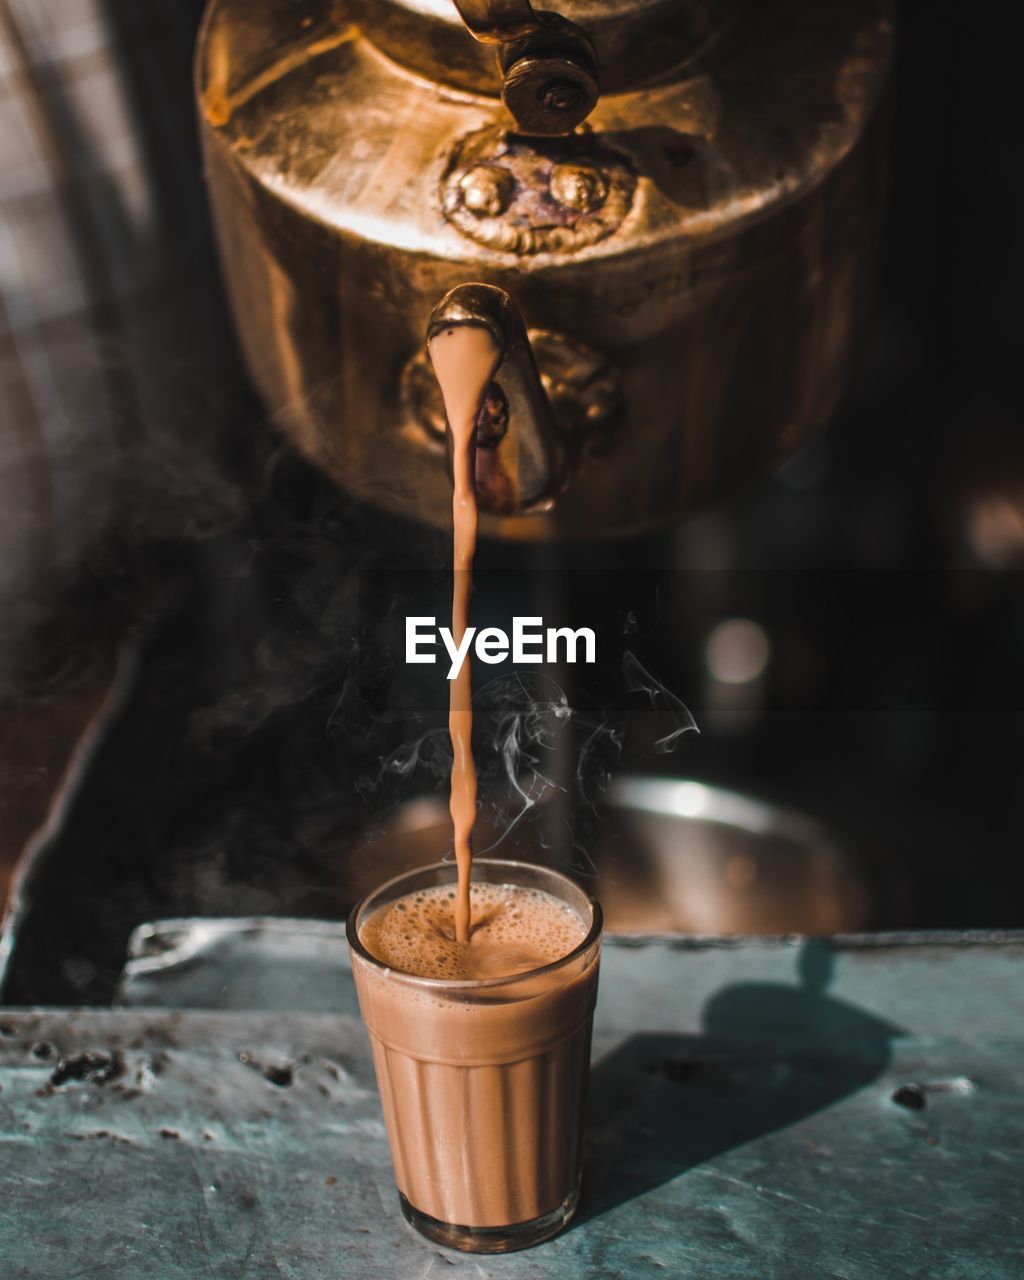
(483, 1081)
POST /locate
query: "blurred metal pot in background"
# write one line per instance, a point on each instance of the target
(670, 855)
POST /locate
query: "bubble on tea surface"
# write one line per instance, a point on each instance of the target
(514, 930)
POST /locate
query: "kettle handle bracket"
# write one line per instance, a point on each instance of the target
(548, 65)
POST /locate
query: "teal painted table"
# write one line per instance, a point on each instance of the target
(844, 1111)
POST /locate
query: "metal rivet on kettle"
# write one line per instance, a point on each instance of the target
(578, 187)
(487, 190)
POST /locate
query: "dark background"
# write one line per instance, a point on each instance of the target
(273, 719)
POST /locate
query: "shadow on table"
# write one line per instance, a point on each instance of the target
(768, 1055)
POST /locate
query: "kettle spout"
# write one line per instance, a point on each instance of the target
(521, 456)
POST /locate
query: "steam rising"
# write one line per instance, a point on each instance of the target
(639, 680)
(536, 750)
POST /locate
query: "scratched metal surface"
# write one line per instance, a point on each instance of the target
(742, 1121)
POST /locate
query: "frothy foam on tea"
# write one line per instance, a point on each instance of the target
(514, 929)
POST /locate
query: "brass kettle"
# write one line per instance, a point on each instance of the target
(666, 211)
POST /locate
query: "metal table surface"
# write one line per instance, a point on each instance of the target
(842, 1110)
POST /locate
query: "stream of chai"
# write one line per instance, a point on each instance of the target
(465, 359)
